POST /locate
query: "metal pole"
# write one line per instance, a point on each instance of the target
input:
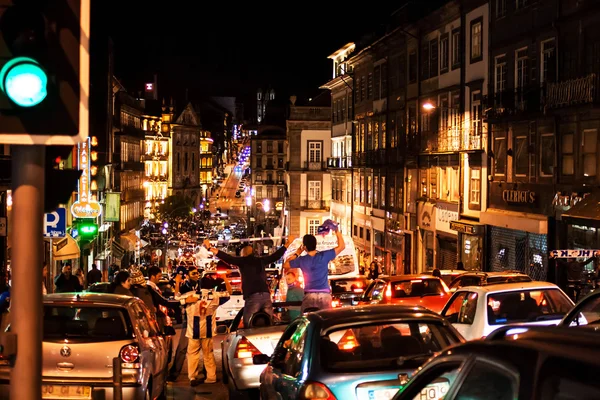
(28, 163)
(3, 241)
(117, 379)
(50, 267)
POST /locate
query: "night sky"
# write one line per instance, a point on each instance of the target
(225, 48)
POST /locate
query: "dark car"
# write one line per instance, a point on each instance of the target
(477, 278)
(364, 352)
(99, 287)
(519, 363)
(347, 291)
(586, 312)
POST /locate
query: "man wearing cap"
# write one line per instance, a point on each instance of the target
(257, 295)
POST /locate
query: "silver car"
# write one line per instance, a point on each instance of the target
(83, 333)
(241, 344)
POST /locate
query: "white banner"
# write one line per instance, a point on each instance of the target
(574, 253)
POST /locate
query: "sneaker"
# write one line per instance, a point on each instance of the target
(211, 381)
(195, 382)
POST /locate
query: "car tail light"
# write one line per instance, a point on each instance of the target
(315, 391)
(348, 341)
(245, 349)
(130, 356)
(335, 303)
(388, 291)
(235, 280)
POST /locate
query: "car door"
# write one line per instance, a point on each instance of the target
(461, 312)
(283, 378)
(151, 345)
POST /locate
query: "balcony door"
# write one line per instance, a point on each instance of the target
(314, 194)
(315, 155)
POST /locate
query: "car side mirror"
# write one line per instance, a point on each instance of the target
(222, 330)
(169, 330)
(260, 359)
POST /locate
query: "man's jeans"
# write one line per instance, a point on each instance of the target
(257, 302)
(320, 301)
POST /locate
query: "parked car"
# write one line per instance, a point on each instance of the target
(477, 278)
(418, 290)
(347, 291)
(586, 312)
(241, 344)
(476, 311)
(524, 363)
(364, 352)
(227, 311)
(83, 332)
(448, 275)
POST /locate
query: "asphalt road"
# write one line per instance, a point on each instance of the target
(181, 390)
(227, 201)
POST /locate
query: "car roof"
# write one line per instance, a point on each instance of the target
(348, 278)
(369, 313)
(508, 287)
(571, 343)
(397, 278)
(495, 273)
(88, 298)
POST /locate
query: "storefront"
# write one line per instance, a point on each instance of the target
(517, 228)
(395, 245)
(471, 243)
(580, 218)
(446, 239)
(426, 221)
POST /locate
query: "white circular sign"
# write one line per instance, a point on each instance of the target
(158, 252)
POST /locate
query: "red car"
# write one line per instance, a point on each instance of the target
(419, 290)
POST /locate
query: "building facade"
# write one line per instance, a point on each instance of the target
(308, 179)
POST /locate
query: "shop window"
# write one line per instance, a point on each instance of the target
(475, 188)
(568, 156)
(590, 148)
(521, 156)
(547, 150)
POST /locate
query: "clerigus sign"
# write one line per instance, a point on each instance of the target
(518, 196)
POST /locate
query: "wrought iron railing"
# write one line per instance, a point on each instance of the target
(573, 91)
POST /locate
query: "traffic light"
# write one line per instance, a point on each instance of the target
(60, 183)
(44, 71)
(87, 228)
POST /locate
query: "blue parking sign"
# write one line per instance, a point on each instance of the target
(55, 223)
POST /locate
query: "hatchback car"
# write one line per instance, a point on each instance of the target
(419, 290)
(82, 333)
(347, 291)
(477, 278)
(476, 311)
(365, 352)
(523, 363)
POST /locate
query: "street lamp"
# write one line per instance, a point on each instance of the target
(428, 106)
(266, 205)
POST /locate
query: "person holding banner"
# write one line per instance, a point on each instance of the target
(257, 296)
(315, 268)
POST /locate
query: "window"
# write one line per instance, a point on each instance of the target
(258, 147)
(425, 61)
(357, 90)
(462, 308)
(500, 154)
(527, 305)
(475, 118)
(314, 190)
(377, 73)
(280, 147)
(382, 193)
(412, 67)
(568, 156)
(280, 162)
(314, 151)
(384, 72)
(370, 87)
(500, 8)
(521, 156)
(484, 378)
(193, 161)
(363, 93)
(178, 162)
(269, 147)
(476, 40)
(368, 235)
(547, 150)
(455, 48)
(433, 57)
(375, 192)
(444, 53)
(521, 3)
(500, 74)
(475, 186)
(548, 69)
(590, 148)
(313, 226)
(269, 192)
(522, 72)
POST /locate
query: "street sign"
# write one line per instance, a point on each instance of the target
(55, 223)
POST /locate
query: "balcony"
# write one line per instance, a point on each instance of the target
(315, 166)
(572, 92)
(155, 156)
(315, 205)
(451, 140)
(339, 162)
(157, 178)
(514, 103)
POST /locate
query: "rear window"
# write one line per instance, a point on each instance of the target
(91, 324)
(416, 287)
(354, 285)
(527, 306)
(383, 346)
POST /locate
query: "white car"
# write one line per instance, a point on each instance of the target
(228, 310)
(476, 311)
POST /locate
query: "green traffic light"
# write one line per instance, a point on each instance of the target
(24, 81)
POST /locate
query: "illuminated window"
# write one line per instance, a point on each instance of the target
(313, 226)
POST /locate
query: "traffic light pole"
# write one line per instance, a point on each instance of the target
(26, 298)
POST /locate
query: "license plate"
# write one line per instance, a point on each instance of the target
(382, 394)
(434, 391)
(66, 392)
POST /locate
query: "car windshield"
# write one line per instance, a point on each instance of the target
(352, 285)
(383, 346)
(527, 306)
(508, 279)
(90, 324)
(416, 287)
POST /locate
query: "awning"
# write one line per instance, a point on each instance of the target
(129, 241)
(65, 249)
(586, 212)
(116, 249)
